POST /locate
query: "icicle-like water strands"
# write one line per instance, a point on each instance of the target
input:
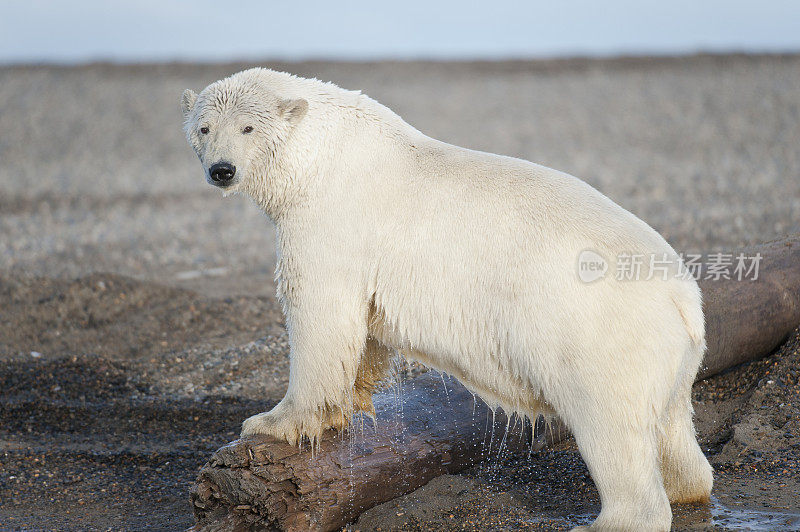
(488, 463)
(351, 444)
(398, 364)
(491, 432)
(444, 384)
(505, 435)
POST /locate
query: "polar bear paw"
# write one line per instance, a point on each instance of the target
(288, 428)
(293, 426)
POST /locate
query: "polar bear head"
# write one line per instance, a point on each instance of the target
(237, 126)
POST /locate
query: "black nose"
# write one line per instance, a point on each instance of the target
(222, 173)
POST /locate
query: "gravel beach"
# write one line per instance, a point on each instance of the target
(138, 324)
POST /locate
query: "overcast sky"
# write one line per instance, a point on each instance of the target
(207, 30)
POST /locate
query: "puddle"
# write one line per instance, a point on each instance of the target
(716, 516)
(729, 518)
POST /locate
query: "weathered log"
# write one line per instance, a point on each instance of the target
(430, 426)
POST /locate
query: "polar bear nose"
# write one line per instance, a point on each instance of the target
(222, 173)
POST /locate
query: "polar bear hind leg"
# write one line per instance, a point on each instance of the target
(688, 476)
(621, 451)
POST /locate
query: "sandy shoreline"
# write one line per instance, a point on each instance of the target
(148, 299)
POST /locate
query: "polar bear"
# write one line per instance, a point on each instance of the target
(391, 241)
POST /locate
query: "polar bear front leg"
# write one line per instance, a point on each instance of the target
(327, 337)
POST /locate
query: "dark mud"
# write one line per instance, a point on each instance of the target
(91, 438)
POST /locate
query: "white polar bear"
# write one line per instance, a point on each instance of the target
(467, 262)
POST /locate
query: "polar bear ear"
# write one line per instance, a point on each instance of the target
(188, 99)
(293, 110)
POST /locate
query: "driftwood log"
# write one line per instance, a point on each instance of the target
(748, 319)
(430, 425)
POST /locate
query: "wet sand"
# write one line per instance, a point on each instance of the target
(138, 325)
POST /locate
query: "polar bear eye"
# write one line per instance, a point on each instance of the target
(248, 129)
(204, 130)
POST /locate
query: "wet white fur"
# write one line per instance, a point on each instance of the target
(467, 262)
